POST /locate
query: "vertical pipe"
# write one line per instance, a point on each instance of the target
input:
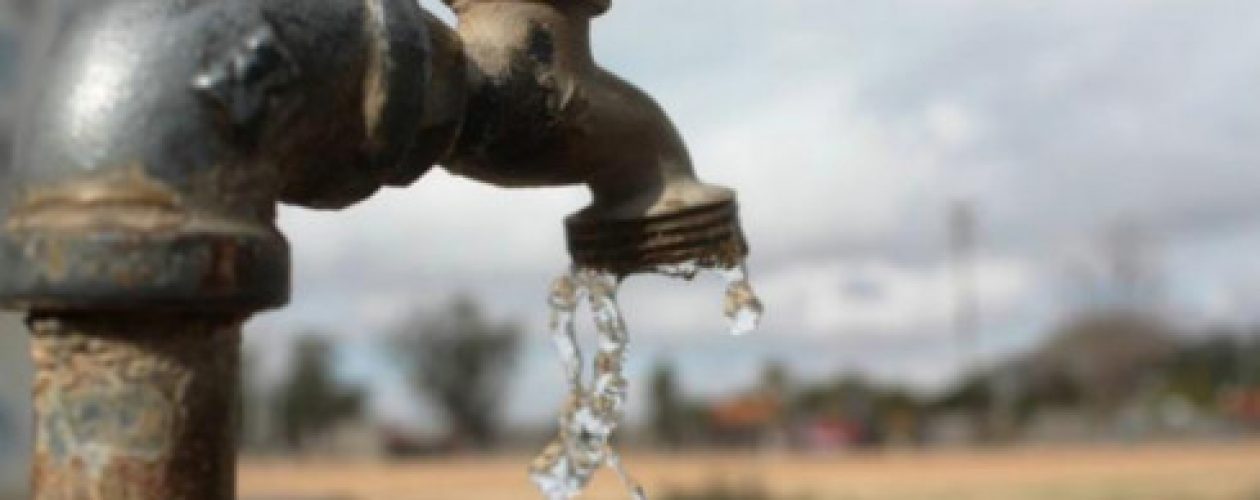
(135, 406)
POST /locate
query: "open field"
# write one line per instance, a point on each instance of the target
(1147, 472)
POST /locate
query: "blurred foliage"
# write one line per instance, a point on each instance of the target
(463, 363)
(1199, 371)
(669, 418)
(1104, 363)
(256, 421)
(1099, 373)
(1109, 356)
(311, 402)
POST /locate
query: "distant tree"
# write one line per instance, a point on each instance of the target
(1105, 359)
(848, 396)
(256, 418)
(1248, 360)
(972, 394)
(1204, 368)
(669, 411)
(777, 384)
(311, 401)
(776, 379)
(462, 362)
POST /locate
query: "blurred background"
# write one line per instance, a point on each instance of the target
(1008, 250)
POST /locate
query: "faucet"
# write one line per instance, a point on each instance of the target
(137, 220)
(541, 112)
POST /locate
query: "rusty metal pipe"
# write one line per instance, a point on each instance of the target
(135, 406)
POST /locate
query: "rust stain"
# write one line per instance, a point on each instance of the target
(375, 83)
(125, 277)
(127, 199)
(136, 409)
(54, 260)
(221, 274)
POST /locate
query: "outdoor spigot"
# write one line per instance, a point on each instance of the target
(137, 220)
(165, 134)
(541, 112)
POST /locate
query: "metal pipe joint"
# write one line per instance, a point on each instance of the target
(137, 220)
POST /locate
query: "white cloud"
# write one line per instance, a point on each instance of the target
(881, 297)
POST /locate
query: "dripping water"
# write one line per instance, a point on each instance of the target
(593, 413)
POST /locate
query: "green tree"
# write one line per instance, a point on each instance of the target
(462, 362)
(311, 401)
(669, 412)
(257, 416)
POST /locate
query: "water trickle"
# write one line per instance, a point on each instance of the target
(591, 416)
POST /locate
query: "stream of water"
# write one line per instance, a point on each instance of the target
(594, 409)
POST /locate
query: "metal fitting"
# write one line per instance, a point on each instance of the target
(543, 113)
(137, 222)
(165, 132)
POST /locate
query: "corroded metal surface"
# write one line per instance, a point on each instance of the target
(166, 133)
(163, 134)
(138, 218)
(707, 236)
(542, 112)
(131, 407)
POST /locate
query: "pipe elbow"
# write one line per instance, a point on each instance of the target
(542, 113)
(649, 208)
(148, 170)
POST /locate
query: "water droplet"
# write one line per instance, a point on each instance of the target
(742, 307)
(685, 270)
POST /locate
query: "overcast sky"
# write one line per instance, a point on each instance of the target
(849, 128)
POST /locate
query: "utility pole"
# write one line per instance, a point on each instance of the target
(962, 246)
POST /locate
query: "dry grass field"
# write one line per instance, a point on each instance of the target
(1146, 472)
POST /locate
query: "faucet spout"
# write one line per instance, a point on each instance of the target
(541, 112)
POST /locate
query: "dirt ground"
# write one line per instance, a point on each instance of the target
(1146, 472)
